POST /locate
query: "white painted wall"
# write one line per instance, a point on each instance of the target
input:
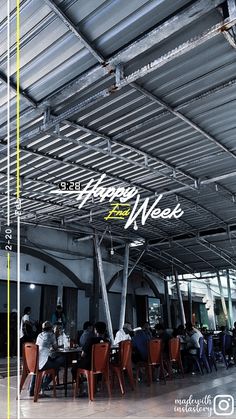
(35, 274)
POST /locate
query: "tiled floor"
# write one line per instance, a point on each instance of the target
(159, 400)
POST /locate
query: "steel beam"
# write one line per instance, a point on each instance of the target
(124, 287)
(185, 119)
(230, 38)
(232, 12)
(105, 149)
(224, 307)
(190, 301)
(167, 302)
(211, 311)
(177, 190)
(137, 261)
(170, 260)
(180, 300)
(148, 156)
(94, 299)
(154, 37)
(202, 207)
(52, 158)
(79, 165)
(23, 94)
(196, 255)
(103, 286)
(74, 29)
(223, 255)
(108, 152)
(218, 89)
(179, 51)
(97, 97)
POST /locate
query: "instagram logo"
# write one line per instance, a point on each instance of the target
(223, 405)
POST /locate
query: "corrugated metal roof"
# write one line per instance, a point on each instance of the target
(172, 131)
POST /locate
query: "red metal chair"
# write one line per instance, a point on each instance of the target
(155, 359)
(31, 366)
(100, 365)
(125, 364)
(175, 356)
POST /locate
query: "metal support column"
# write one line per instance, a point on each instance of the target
(211, 312)
(124, 286)
(225, 311)
(181, 306)
(167, 301)
(190, 301)
(103, 287)
(230, 305)
(94, 299)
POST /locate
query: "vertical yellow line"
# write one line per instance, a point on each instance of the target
(8, 336)
(18, 177)
(18, 98)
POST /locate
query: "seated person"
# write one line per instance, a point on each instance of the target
(47, 357)
(124, 333)
(147, 329)
(140, 345)
(192, 338)
(164, 336)
(85, 361)
(234, 342)
(61, 338)
(234, 331)
(228, 341)
(87, 333)
(180, 333)
(204, 332)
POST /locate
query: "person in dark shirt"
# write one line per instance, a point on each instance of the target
(164, 336)
(234, 331)
(59, 316)
(87, 334)
(140, 344)
(86, 355)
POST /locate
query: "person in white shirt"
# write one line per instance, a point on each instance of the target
(48, 359)
(123, 334)
(193, 338)
(61, 338)
(27, 333)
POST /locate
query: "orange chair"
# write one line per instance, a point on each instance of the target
(125, 363)
(155, 358)
(30, 366)
(175, 356)
(100, 365)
